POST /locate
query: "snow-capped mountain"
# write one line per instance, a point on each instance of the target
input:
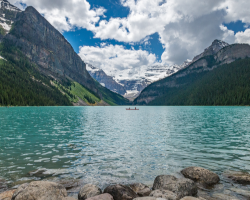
(8, 14)
(130, 85)
(133, 82)
(216, 46)
(105, 80)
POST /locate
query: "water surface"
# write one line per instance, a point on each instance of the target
(106, 145)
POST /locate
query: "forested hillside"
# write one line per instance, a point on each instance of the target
(228, 84)
(22, 85)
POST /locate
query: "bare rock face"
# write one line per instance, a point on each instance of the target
(238, 177)
(166, 194)
(140, 189)
(121, 192)
(40, 190)
(181, 187)
(47, 47)
(102, 197)
(201, 175)
(7, 195)
(68, 198)
(88, 191)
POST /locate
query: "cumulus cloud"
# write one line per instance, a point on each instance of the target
(186, 28)
(65, 14)
(243, 37)
(117, 61)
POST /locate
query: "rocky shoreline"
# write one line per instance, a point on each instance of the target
(194, 185)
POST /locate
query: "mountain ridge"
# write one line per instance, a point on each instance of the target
(35, 38)
(226, 55)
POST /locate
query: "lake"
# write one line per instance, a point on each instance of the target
(104, 145)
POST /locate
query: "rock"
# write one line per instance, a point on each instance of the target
(245, 193)
(201, 175)
(166, 194)
(40, 190)
(181, 187)
(88, 191)
(102, 197)
(121, 192)
(70, 184)
(189, 198)
(140, 189)
(68, 198)
(148, 198)
(7, 195)
(221, 196)
(238, 177)
(38, 173)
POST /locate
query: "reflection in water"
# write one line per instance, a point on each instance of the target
(109, 144)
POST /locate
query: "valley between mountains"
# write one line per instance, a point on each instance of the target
(40, 68)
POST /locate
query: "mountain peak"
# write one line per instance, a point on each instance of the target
(216, 46)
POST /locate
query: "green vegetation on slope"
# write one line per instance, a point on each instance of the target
(73, 90)
(228, 84)
(22, 85)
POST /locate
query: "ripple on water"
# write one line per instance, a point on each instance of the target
(108, 144)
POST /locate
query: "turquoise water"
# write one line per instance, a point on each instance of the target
(109, 144)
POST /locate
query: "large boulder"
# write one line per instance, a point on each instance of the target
(7, 195)
(40, 190)
(88, 191)
(102, 197)
(140, 189)
(181, 187)
(166, 194)
(121, 192)
(201, 175)
(238, 177)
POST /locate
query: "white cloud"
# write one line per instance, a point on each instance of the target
(65, 14)
(243, 37)
(117, 61)
(186, 28)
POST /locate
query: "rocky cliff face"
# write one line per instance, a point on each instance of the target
(206, 62)
(47, 47)
(105, 80)
(8, 15)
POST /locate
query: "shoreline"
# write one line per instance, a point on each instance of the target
(196, 183)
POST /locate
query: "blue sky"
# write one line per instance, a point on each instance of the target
(129, 36)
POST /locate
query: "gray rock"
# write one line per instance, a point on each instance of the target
(121, 192)
(166, 194)
(102, 197)
(181, 187)
(221, 196)
(190, 198)
(140, 189)
(201, 175)
(40, 190)
(68, 198)
(88, 191)
(7, 195)
(148, 198)
(245, 193)
(239, 177)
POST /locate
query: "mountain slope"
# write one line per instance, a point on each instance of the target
(228, 84)
(22, 85)
(193, 72)
(105, 80)
(33, 36)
